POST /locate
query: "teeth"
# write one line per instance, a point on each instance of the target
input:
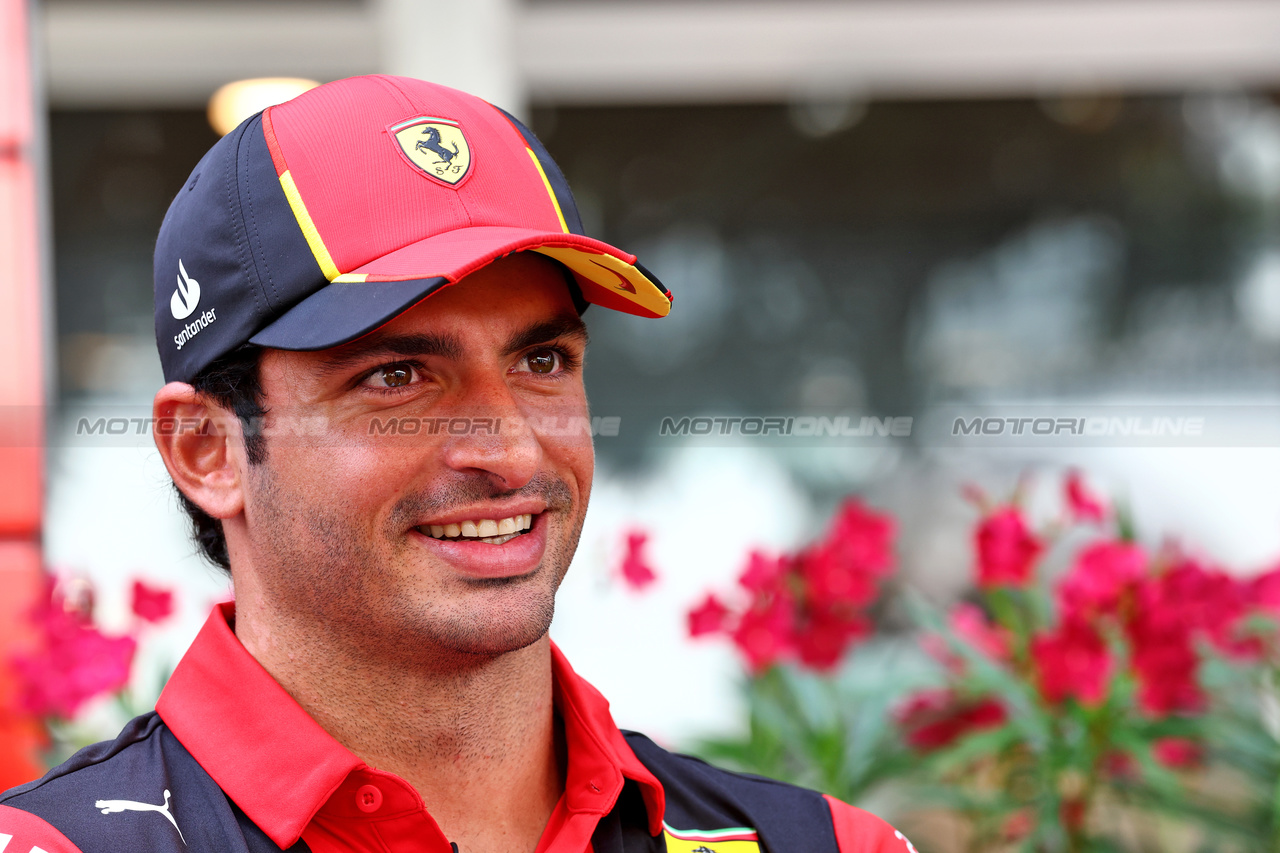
(485, 530)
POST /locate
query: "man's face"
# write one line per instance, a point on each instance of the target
(436, 514)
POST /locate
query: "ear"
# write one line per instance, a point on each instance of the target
(203, 448)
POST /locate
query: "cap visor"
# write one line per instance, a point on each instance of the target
(358, 302)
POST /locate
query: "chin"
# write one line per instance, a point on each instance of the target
(475, 632)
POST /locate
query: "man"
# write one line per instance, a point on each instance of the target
(367, 308)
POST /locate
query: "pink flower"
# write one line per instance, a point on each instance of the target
(822, 639)
(970, 624)
(830, 579)
(1163, 654)
(1178, 752)
(764, 633)
(151, 603)
(635, 568)
(861, 537)
(1018, 825)
(1173, 612)
(808, 605)
(72, 662)
(1006, 549)
(1083, 504)
(710, 617)
(933, 719)
(1072, 661)
(1101, 578)
(1165, 668)
(1264, 591)
(1206, 602)
(763, 573)
(1120, 764)
(846, 565)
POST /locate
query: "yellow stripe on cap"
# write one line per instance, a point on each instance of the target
(352, 278)
(554, 203)
(309, 231)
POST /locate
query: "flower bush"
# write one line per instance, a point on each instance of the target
(1089, 693)
(73, 661)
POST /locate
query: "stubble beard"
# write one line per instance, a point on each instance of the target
(325, 572)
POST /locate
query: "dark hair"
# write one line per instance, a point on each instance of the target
(232, 382)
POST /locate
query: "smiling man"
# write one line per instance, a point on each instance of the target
(368, 308)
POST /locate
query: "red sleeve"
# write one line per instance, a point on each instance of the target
(23, 832)
(862, 832)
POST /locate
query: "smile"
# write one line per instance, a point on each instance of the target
(487, 530)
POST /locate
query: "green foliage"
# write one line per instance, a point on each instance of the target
(833, 733)
(1130, 704)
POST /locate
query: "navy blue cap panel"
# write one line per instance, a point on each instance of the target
(286, 269)
(559, 186)
(363, 306)
(228, 224)
(201, 297)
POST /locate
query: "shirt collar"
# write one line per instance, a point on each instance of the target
(599, 756)
(280, 767)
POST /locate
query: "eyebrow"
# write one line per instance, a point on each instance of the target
(565, 326)
(447, 346)
(378, 344)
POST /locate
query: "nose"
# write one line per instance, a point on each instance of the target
(490, 432)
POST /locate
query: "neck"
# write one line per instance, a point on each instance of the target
(476, 736)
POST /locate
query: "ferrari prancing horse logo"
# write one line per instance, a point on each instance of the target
(437, 146)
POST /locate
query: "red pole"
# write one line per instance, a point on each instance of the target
(22, 382)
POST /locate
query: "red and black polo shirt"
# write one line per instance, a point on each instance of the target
(230, 762)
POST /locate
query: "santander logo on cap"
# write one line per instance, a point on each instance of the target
(186, 297)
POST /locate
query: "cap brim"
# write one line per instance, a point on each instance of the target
(356, 303)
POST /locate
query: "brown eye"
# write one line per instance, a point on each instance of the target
(543, 361)
(395, 375)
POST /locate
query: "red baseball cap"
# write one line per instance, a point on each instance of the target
(322, 218)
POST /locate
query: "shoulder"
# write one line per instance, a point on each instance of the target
(685, 776)
(703, 796)
(859, 831)
(139, 791)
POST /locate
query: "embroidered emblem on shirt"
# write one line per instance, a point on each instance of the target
(738, 839)
(116, 806)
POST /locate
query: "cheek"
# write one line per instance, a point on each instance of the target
(567, 437)
(339, 469)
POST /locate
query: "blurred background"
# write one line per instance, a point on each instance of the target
(884, 209)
